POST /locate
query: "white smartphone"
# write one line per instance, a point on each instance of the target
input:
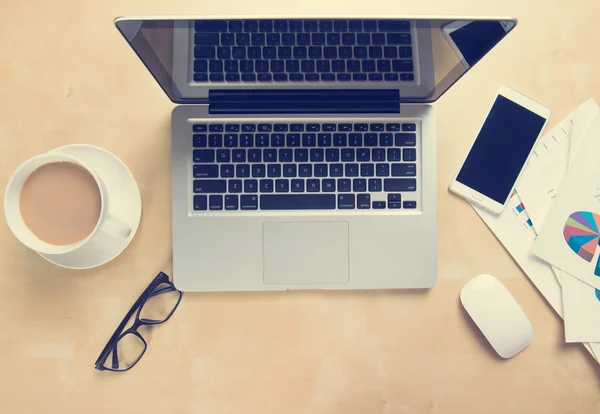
(501, 148)
(473, 39)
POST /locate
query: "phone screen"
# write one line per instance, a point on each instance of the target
(475, 39)
(501, 149)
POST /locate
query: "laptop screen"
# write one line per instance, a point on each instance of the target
(420, 58)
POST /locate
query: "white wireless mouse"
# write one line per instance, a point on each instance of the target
(497, 314)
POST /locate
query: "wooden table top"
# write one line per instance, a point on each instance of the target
(67, 76)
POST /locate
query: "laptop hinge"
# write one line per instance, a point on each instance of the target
(303, 101)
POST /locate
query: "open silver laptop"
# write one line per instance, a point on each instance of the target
(304, 149)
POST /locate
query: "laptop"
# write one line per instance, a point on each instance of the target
(304, 149)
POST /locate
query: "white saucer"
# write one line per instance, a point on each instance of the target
(125, 201)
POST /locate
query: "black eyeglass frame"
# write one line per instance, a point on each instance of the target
(111, 345)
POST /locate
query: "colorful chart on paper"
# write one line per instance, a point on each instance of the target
(582, 235)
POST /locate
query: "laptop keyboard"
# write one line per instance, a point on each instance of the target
(303, 51)
(304, 166)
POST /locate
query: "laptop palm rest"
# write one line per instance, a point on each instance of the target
(297, 253)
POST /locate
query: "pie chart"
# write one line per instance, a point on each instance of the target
(583, 236)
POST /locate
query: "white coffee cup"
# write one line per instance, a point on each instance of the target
(107, 223)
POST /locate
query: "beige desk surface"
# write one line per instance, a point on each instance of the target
(66, 76)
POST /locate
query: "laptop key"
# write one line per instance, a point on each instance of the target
(409, 204)
(250, 186)
(346, 201)
(375, 77)
(297, 127)
(210, 186)
(324, 140)
(293, 140)
(390, 52)
(277, 140)
(393, 154)
(371, 139)
(399, 184)
(215, 202)
(390, 76)
(258, 170)
(355, 25)
(318, 39)
(367, 170)
(344, 185)
(262, 140)
(200, 128)
(313, 186)
(199, 140)
(270, 155)
(394, 198)
(231, 140)
(204, 156)
(332, 155)
(242, 171)
(405, 52)
(282, 186)
(375, 185)
(399, 38)
(303, 39)
(378, 204)
(227, 171)
(265, 25)
(356, 140)
(311, 77)
(250, 26)
(249, 202)
(264, 77)
(348, 39)
(289, 170)
(406, 139)
(328, 185)
(266, 186)
(311, 25)
(382, 170)
(297, 201)
(274, 170)
(408, 77)
(378, 154)
(402, 65)
(310, 140)
(328, 77)
(200, 203)
(285, 155)
(300, 155)
(409, 127)
(409, 154)
(359, 185)
(235, 186)
(257, 39)
(348, 154)
(351, 170)
(210, 25)
(297, 186)
(363, 154)
(359, 77)
(320, 170)
(394, 25)
(341, 140)
(238, 155)
(281, 25)
(206, 171)
(316, 155)
(336, 170)
(231, 202)
(363, 201)
(345, 127)
(305, 170)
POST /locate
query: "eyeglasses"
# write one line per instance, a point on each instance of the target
(154, 306)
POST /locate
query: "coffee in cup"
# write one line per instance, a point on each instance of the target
(60, 203)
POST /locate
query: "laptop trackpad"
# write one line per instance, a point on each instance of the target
(296, 253)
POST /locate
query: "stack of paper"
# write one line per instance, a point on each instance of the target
(551, 225)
